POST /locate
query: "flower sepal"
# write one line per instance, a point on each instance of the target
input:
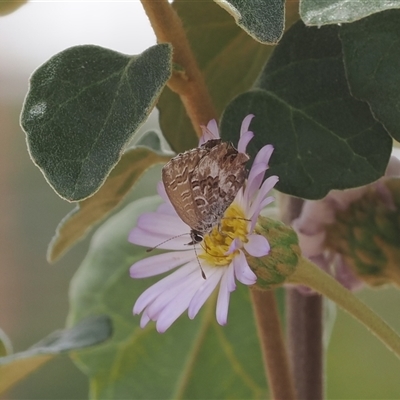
(274, 269)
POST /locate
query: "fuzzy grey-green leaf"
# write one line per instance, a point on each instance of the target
(88, 332)
(324, 12)
(263, 20)
(82, 108)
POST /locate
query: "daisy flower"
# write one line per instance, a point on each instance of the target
(222, 253)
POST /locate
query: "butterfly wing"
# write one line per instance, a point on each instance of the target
(177, 176)
(216, 179)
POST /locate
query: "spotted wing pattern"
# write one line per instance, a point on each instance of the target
(201, 183)
(215, 183)
(176, 176)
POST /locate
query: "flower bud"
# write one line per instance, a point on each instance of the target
(273, 269)
(367, 234)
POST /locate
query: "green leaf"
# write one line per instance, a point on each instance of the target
(324, 138)
(263, 20)
(229, 59)
(141, 363)
(83, 106)
(372, 65)
(91, 331)
(323, 12)
(76, 224)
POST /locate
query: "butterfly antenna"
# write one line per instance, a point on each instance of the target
(201, 268)
(196, 238)
(165, 241)
(194, 248)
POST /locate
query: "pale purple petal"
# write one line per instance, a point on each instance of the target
(160, 263)
(264, 154)
(230, 278)
(177, 306)
(254, 180)
(235, 245)
(210, 132)
(204, 292)
(245, 124)
(166, 208)
(162, 193)
(266, 187)
(212, 126)
(168, 225)
(239, 199)
(173, 294)
(144, 320)
(257, 212)
(223, 301)
(243, 272)
(257, 246)
(150, 294)
(156, 222)
(260, 165)
(144, 238)
(244, 141)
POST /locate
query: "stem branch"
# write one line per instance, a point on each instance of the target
(187, 80)
(272, 344)
(304, 325)
(304, 334)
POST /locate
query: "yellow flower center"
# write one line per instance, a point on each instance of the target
(215, 244)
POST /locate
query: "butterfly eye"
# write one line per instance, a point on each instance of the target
(196, 237)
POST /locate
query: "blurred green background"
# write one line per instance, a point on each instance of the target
(34, 294)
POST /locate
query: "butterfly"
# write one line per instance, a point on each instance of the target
(203, 182)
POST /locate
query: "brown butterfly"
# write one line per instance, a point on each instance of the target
(202, 183)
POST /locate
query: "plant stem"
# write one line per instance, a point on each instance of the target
(275, 358)
(187, 80)
(304, 329)
(309, 274)
(304, 326)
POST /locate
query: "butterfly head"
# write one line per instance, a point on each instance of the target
(196, 237)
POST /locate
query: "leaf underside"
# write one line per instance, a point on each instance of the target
(76, 224)
(321, 12)
(88, 332)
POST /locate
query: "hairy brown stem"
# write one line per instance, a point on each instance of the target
(304, 327)
(187, 80)
(304, 323)
(272, 344)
